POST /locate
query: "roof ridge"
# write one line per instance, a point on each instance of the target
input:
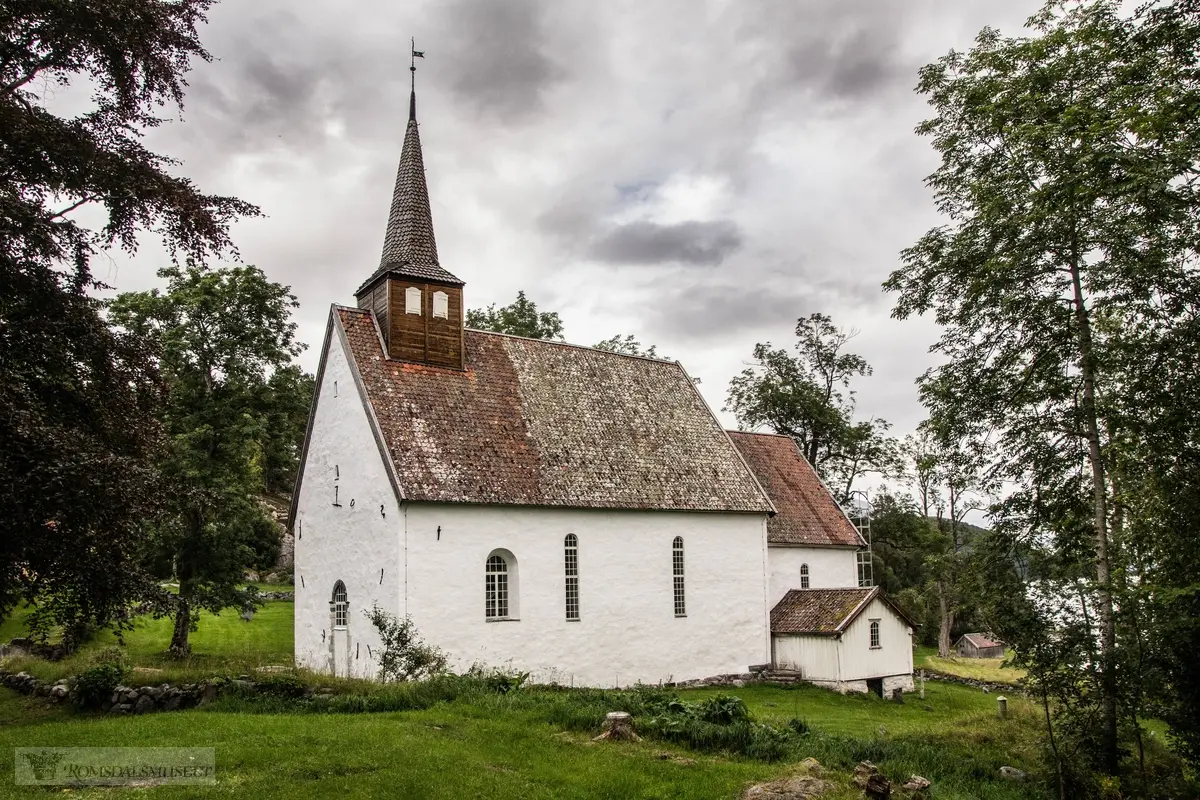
(559, 343)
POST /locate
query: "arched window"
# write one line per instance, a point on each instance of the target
(340, 605)
(441, 305)
(412, 300)
(496, 587)
(804, 576)
(875, 643)
(571, 556)
(677, 572)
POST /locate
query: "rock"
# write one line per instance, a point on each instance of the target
(1011, 774)
(120, 708)
(172, 702)
(131, 696)
(797, 787)
(144, 703)
(59, 691)
(874, 785)
(208, 692)
(812, 767)
(154, 692)
(916, 787)
(738, 683)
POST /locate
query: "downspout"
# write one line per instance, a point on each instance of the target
(404, 534)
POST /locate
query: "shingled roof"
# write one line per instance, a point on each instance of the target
(826, 612)
(533, 422)
(807, 513)
(409, 247)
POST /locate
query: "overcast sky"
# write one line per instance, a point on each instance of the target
(699, 174)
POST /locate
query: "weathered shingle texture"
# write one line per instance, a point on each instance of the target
(823, 612)
(807, 514)
(532, 422)
(409, 248)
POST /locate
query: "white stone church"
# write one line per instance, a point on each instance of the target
(568, 511)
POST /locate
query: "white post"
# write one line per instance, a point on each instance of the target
(922, 684)
(1002, 703)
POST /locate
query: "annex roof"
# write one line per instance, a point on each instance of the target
(532, 422)
(807, 513)
(826, 612)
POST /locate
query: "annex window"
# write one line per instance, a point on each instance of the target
(412, 300)
(571, 559)
(441, 305)
(677, 574)
(496, 587)
(340, 605)
(875, 645)
(804, 576)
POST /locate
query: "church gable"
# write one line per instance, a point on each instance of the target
(532, 422)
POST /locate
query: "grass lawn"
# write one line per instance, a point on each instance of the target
(980, 669)
(449, 751)
(503, 745)
(222, 644)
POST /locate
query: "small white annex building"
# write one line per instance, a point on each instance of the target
(530, 504)
(851, 640)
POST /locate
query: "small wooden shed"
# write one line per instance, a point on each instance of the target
(849, 640)
(978, 645)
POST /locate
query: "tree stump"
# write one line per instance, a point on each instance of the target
(873, 785)
(618, 727)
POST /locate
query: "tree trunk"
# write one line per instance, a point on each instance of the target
(1108, 683)
(183, 625)
(947, 622)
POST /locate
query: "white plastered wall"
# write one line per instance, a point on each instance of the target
(893, 657)
(828, 568)
(628, 631)
(357, 542)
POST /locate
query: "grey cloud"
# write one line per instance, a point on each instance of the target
(495, 55)
(692, 242)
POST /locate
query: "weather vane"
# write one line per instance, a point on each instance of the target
(413, 66)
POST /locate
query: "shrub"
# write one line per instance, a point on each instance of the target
(94, 686)
(799, 726)
(282, 685)
(404, 656)
(722, 709)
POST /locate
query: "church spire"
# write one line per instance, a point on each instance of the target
(409, 246)
(417, 305)
(409, 238)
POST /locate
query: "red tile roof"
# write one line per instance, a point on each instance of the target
(532, 422)
(807, 513)
(826, 612)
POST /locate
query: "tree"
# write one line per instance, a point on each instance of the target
(1069, 180)
(808, 397)
(218, 333)
(628, 345)
(78, 425)
(520, 318)
(286, 402)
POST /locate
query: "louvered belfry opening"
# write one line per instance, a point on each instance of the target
(417, 303)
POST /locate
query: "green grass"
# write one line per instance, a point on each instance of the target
(453, 742)
(980, 669)
(449, 751)
(222, 644)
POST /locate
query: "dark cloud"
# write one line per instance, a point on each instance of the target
(727, 311)
(700, 243)
(495, 55)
